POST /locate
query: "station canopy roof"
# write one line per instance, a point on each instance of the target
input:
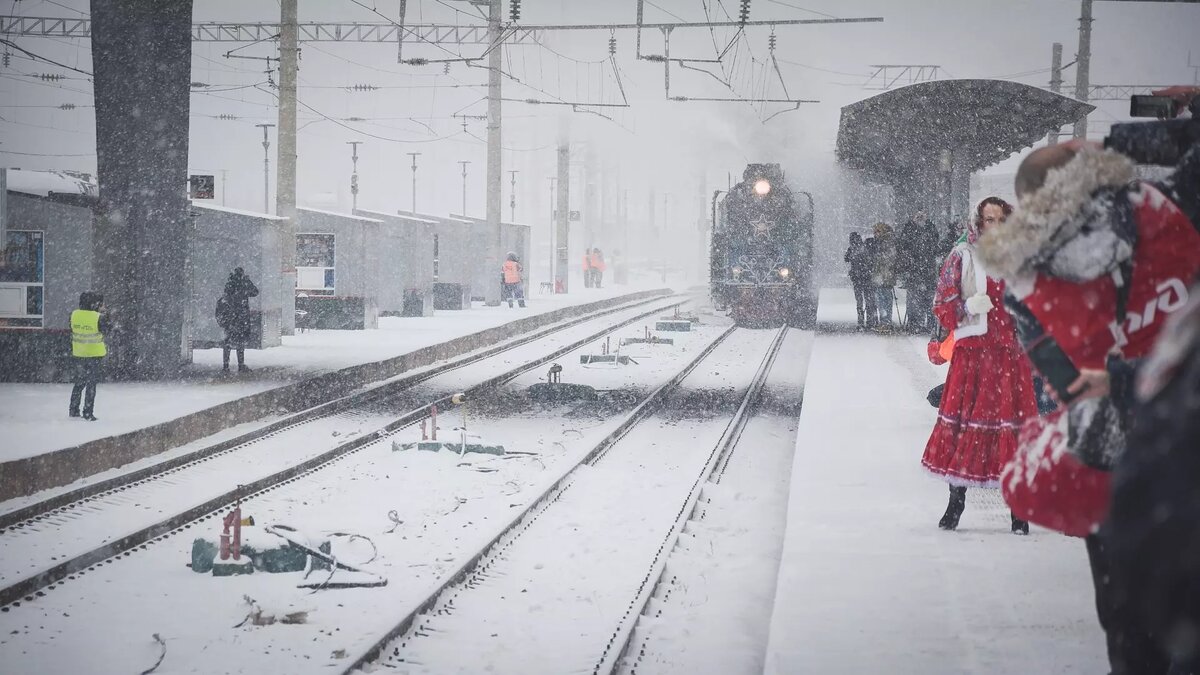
(903, 132)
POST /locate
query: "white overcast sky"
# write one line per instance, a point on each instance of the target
(679, 146)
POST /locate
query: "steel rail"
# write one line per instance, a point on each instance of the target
(611, 659)
(648, 406)
(68, 500)
(31, 587)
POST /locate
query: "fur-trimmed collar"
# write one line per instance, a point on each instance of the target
(1077, 198)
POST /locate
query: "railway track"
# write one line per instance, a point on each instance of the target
(57, 539)
(563, 583)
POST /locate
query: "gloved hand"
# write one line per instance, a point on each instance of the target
(979, 303)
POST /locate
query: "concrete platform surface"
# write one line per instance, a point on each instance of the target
(867, 582)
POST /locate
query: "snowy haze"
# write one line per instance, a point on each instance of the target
(684, 150)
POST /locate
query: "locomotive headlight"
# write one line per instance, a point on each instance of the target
(784, 272)
(761, 187)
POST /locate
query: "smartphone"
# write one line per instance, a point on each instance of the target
(1159, 107)
(1055, 366)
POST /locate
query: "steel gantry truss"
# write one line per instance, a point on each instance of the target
(884, 77)
(1120, 92)
(33, 26)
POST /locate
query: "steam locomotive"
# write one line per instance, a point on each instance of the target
(761, 257)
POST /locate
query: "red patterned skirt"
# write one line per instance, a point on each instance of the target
(988, 394)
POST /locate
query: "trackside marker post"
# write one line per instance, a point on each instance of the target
(460, 399)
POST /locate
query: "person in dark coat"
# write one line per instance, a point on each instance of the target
(917, 265)
(89, 323)
(859, 259)
(234, 317)
(1153, 526)
(870, 306)
(883, 274)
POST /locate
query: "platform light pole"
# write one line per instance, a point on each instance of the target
(414, 156)
(266, 143)
(354, 174)
(464, 163)
(550, 232)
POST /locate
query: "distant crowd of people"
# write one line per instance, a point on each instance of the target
(911, 258)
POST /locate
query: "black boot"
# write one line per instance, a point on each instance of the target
(954, 510)
(1019, 526)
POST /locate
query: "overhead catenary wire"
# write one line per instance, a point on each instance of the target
(13, 45)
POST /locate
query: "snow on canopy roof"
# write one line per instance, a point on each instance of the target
(240, 212)
(477, 221)
(904, 131)
(45, 183)
(402, 216)
(351, 216)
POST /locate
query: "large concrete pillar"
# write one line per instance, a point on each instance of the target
(592, 226)
(141, 59)
(562, 225)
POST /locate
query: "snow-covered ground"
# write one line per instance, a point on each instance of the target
(868, 583)
(712, 611)
(34, 415)
(446, 506)
(107, 517)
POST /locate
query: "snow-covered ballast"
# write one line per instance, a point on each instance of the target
(337, 270)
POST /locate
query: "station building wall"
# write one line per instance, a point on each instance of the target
(224, 239)
(405, 251)
(48, 253)
(355, 265)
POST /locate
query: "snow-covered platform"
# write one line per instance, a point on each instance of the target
(43, 447)
(867, 582)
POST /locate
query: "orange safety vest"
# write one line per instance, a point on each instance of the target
(597, 262)
(512, 272)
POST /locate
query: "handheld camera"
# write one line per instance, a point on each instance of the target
(1162, 143)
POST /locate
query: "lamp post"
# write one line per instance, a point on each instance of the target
(464, 164)
(354, 175)
(661, 248)
(414, 156)
(266, 166)
(550, 233)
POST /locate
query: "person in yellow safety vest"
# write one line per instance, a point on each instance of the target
(88, 324)
(587, 268)
(513, 286)
(597, 264)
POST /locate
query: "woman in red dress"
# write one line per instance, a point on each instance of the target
(989, 390)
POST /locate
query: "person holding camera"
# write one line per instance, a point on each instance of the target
(1095, 261)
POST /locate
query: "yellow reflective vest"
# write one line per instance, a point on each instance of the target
(86, 339)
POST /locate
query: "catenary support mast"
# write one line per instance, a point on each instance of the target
(285, 190)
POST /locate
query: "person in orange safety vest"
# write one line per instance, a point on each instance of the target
(587, 268)
(597, 264)
(512, 283)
